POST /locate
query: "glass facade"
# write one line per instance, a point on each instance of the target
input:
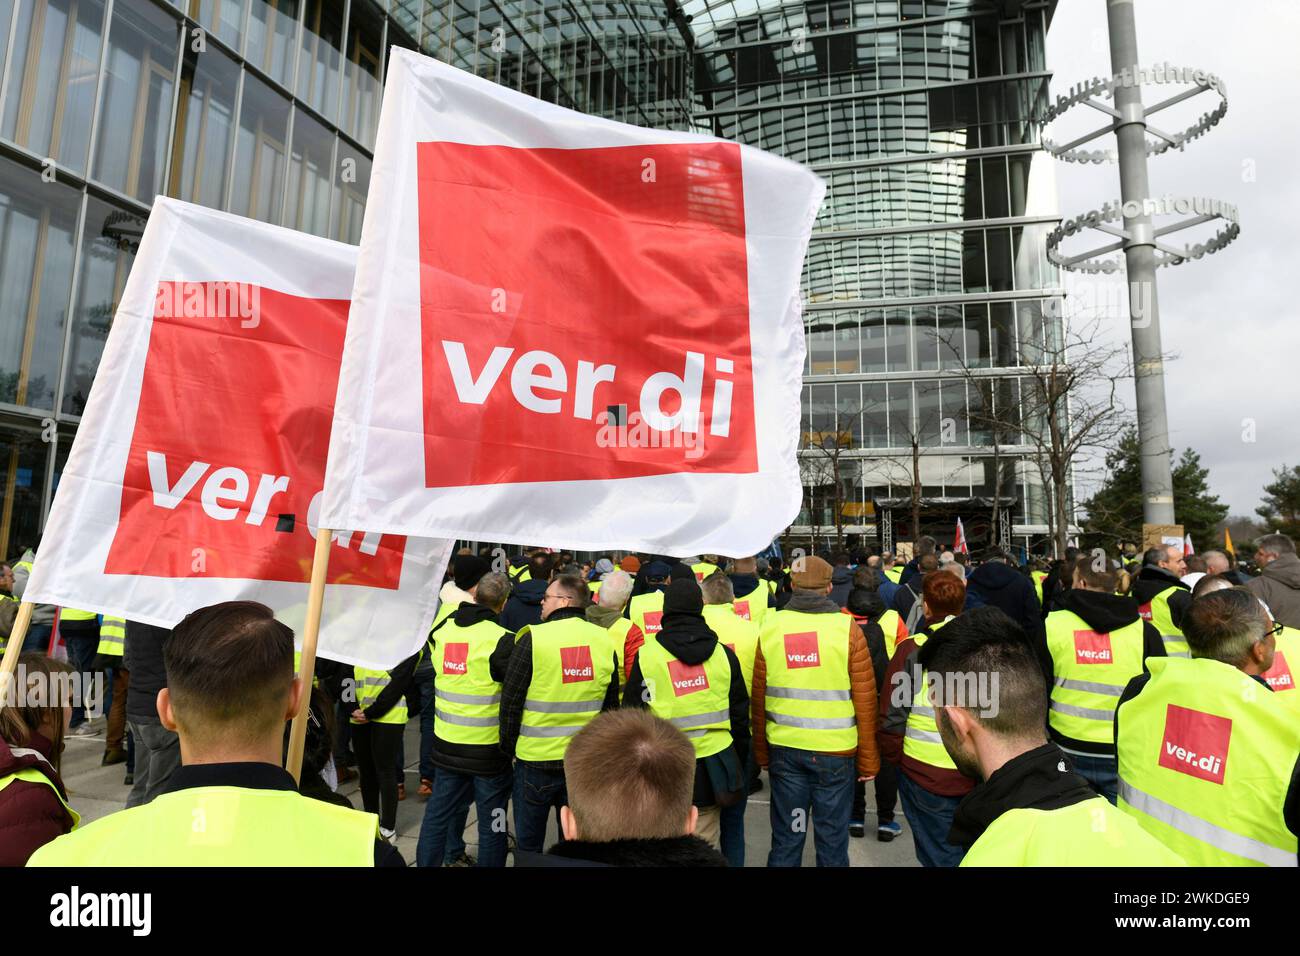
(264, 108)
(926, 283)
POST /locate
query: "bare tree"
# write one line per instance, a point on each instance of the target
(823, 453)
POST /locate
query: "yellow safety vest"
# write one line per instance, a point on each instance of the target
(522, 575)
(76, 614)
(467, 701)
(32, 775)
(1157, 612)
(889, 622)
(1284, 673)
(808, 698)
(646, 611)
(1090, 672)
(694, 698)
(370, 683)
(753, 606)
(1205, 759)
(1088, 833)
(702, 570)
(221, 826)
(112, 636)
(1038, 577)
(894, 574)
(618, 632)
(921, 740)
(594, 587)
(573, 661)
(738, 634)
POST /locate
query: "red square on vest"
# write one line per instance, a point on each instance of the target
(1144, 611)
(687, 678)
(742, 609)
(1279, 675)
(575, 664)
(1092, 648)
(654, 622)
(455, 658)
(801, 650)
(1195, 743)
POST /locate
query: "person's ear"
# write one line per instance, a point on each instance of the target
(295, 698)
(692, 819)
(568, 823)
(962, 723)
(1261, 652)
(165, 715)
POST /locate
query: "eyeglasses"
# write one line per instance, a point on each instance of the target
(1275, 630)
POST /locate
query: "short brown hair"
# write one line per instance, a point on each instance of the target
(944, 593)
(229, 670)
(1103, 579)
(574, 587)
(630, 776)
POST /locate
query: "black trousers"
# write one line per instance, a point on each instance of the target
(886, 784)
(376, 748)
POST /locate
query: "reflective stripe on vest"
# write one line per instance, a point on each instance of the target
(1090, 671)
(753, 606)
(221, 826)
(1205, 757)
(921, 740)
(808, 697)
(646, 611)
(573, 662)
(466, 700)
(738, 634)
(112, 636)
(1157, 612)
(370, 683)
(694, 698)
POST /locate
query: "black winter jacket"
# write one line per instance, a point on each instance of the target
(142, 656)
(524, 606)
(673, 851)
(1003, 587)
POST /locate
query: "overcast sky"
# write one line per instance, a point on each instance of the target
(1231, 318)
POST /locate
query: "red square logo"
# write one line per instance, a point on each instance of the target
(230, 488)
(801, 650)
(1195, 743)
(742, 609)
(1144, 611)
(575, 664)
(1279, 675)
(565, 241)
(654, 622)
(1092, 648)
(455, 658)
(687, 678)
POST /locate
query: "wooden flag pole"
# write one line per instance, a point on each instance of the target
(307, 666)
(13, 650)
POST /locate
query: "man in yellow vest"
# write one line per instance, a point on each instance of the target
(753, 595)
(646, 610)
(1094, 644)
(562, 673)
(42, 623)
(470, 653)
(606, 610)
(1207, 753)
(741, 635)
(230, 803)
(814, 718)
(109, 657)
(80, 631)
(688, 676)
(1030, 808)
(1158, 583)
(890, 567)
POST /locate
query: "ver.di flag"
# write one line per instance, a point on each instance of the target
(569, 331)
(196, 473)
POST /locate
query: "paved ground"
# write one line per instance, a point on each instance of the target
(96, 791)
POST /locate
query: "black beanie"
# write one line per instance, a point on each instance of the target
(469, 570)
(682, 572)
(684, 597)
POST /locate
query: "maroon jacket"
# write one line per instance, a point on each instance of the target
(30, 813)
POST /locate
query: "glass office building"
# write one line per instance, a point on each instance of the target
(926, 282)
(265, 108)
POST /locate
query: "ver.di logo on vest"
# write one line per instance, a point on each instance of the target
(1092, 648)
(801, 650)
(455, 658)
(1279, 676)
(1195, 743)
(575, 664)
(654, 622)
(742, 610)
(687, 678)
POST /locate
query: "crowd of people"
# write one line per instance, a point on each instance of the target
(1074, 712)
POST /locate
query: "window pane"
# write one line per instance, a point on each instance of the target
(107, 250)
(351, 186)
(204, 129)
(222, 18)
(956, 348)
(954, 422)
(24, 459)
(260, 152)
(52, 78)
(361, 73)
(848, 415)
(433, 37)
(1002, 334)
(999, 252)
(309, 176)
(319, 60)
(929, 413)
(925, 338)
(875, 418)
(137, 100)
(900, 414)
(272, 27)
(37, 221)
(898, 337)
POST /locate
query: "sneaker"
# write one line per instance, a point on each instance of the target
(113, 756)
(401, 791)
(887, 831)
(464, 859)
(387, 835)
(857, 829)
(128, 780)
(85, 729)
(426, 789)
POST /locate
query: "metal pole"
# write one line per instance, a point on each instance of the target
(1139, 253)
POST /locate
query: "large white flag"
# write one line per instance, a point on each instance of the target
(569, 331)
(196, 473)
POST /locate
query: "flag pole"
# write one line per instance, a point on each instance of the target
(307, 666)
(10, 663)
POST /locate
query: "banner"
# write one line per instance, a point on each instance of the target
(197, 470)
(568, 330)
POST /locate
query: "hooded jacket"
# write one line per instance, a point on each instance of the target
(1278, 586)
(672, 851)
(1151, 580)
(841, 584)
(524, 606)
(1001, 586)
(30, 813)
(485, 760)
(1103, 613)
(143, 659)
